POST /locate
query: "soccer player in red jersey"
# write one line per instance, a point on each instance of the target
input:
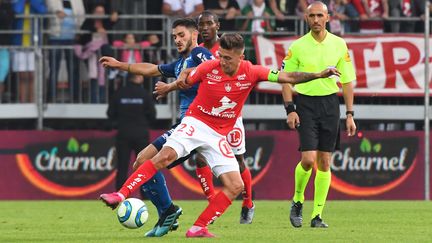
(224, 87)
(208, 26)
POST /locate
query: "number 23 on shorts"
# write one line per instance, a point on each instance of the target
(188, 130)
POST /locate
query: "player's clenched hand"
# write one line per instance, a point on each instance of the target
(161, 90)
(109, 62)
(331, 71)
(293, 120)
(182, 84)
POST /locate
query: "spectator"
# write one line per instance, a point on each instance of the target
(371, 9)
(338, 17)
(131, 51)
(6, 23)
(182, 8)
(226, 10)
(133, 110)
(62, 30)
(93, 45)
(256, 23)
(402, 8)
(282, 8)
(23, 60)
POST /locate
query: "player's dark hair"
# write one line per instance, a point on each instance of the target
(186, 22)
(208, 13)
(232, 41)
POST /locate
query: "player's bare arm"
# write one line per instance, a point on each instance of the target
(301, 77)
(162, 89)
(145, 68)
(348, 94)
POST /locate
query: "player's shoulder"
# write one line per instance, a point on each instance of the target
(200, 49)
(247, 66)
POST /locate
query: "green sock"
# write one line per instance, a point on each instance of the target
(322, 185)
(301, 179)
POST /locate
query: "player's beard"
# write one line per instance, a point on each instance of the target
(187, 46)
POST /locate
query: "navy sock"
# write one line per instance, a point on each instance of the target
(156, 190)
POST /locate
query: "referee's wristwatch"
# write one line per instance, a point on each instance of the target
(349, 113)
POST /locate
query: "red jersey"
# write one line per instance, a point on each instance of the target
(214, 49)
(220, 97)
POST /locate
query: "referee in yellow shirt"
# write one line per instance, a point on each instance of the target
(316, 113)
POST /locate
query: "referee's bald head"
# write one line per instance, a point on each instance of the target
(318, 3)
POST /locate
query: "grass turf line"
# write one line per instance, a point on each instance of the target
(91, 221)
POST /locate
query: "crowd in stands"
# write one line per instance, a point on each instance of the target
(87, 39)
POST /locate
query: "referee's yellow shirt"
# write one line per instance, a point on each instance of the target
(308, 55)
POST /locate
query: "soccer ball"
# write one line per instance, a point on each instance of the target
(132, 213)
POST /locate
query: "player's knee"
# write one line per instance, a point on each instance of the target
(236, 187)
(307, 163)
(164, 157)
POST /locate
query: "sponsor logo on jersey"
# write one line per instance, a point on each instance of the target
(241, 77)
(215, 71)
(367, 167)
(242, 86)
(214, 77)
(69, 168)
(227, 87)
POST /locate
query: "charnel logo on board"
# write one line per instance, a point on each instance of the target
(369, 167)
(69, 168)
(258, 158)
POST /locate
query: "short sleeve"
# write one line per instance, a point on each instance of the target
(260, 73)
(200, 54)
(197, 74)
(167, 70)
(345, 65)
(290, 63)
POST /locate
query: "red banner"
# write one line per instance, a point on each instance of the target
(81, 164)
(386, 65)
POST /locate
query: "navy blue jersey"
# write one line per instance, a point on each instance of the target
(173, 70)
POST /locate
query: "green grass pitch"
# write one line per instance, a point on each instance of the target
(90, 221)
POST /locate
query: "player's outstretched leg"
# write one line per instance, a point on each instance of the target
(215, 209)
(112, 200)
(233, 185)
(144, 173)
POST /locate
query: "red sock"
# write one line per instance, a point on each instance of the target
(140, 176)
(205, 178)
(215, 209)
(247, 192)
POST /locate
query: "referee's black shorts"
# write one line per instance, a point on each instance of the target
(319, 122)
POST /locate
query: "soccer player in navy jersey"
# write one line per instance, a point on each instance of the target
(185, 34)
